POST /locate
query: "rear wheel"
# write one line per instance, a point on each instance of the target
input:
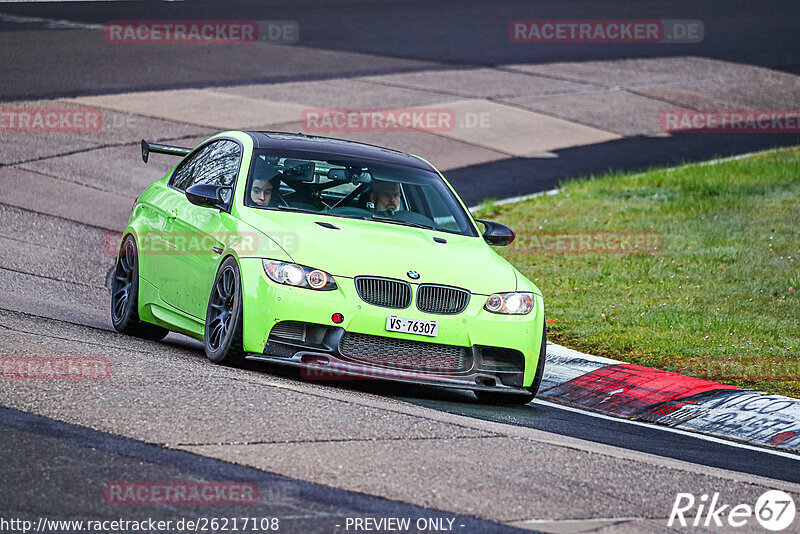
(494, 397)
(223, 335)
(125, 295)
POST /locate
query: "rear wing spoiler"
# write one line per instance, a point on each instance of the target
(162, 149)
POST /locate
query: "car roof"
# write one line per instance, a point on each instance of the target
(333, 146)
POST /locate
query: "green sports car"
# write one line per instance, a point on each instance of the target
(341, 258)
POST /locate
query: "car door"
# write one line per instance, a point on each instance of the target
(157, 246)
(197, 233)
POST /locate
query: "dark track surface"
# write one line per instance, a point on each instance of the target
(512, 176)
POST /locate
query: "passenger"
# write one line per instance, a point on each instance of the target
(385, 197)
(266, 180)
(262, 189)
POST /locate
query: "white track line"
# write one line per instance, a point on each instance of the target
(512, 200)
(670, 429)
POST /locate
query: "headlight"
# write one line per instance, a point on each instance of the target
(510, 303)
(296, 275)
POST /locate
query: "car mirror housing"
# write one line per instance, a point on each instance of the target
(496, 233)
(337, 175)
(208, 195)
(350, 175)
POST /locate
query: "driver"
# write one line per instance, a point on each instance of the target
(385, 197)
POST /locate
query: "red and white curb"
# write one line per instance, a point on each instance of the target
(650, 395)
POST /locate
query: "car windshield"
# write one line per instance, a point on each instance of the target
(341, 187)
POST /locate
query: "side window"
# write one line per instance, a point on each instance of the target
(221, 165)
(185, 173)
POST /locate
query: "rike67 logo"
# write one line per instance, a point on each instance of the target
(774, 510)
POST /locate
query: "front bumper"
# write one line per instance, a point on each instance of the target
(331, 353)
(473, 334)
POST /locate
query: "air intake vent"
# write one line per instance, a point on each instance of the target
(405, 354)
(292, 330)
(384, 292)
(444, 300)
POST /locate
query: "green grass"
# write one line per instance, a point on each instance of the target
(720, 300)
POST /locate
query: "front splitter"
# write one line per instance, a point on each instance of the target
(323, 367)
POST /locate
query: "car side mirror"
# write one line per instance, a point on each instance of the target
(496, 233)
(208, 195)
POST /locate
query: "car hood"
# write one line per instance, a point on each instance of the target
(363, 248)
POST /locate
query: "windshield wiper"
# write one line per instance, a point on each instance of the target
(399, 221)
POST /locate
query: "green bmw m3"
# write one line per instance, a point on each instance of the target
(341, 258)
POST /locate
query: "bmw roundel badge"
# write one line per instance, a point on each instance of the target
(414, 275)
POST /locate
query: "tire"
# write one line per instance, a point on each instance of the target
(494, 397)
(223, 333)
(125, 295)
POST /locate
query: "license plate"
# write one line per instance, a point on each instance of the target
(412, 326)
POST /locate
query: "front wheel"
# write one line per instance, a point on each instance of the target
(125, 295)
(494, 397)
(223, 335)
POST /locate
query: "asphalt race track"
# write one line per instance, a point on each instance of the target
(395, 37)
(323, 453)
